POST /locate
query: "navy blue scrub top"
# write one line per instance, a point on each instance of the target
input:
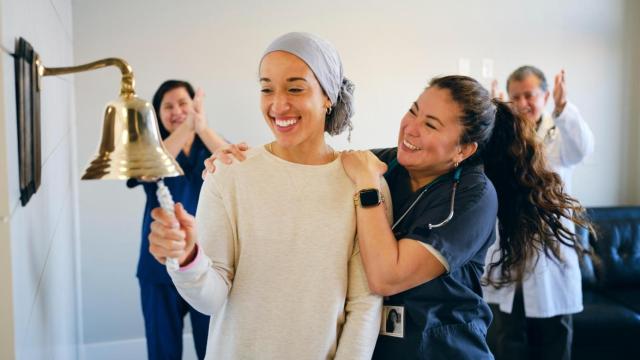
(184, 189)
(445, 318)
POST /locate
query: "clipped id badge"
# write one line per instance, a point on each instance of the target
(392, 321)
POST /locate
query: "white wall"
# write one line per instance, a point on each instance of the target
(40, 271)
(389, 49)
(632, 100)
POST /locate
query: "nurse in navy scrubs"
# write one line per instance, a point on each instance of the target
(462, 160)
(186, 135)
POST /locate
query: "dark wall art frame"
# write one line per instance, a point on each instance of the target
(28, 111)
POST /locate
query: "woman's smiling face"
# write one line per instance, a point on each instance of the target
(292, 102)
(174, 108)
(429, 139)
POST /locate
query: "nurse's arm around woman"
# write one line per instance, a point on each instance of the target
(392, 266)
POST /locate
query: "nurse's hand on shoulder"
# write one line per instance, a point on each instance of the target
(226, 154)
(173, 237)
(363, 168)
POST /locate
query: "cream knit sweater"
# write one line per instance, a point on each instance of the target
(278, 266)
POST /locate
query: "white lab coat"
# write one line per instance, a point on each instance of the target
(551, 288)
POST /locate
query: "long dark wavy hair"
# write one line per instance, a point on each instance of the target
(532, 202)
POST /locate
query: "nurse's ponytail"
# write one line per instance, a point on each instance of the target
(532, 202)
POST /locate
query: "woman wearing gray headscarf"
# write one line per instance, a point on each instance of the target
(275, 260)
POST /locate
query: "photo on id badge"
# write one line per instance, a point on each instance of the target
(392, 321)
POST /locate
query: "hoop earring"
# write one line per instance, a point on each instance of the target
(329, 110)
(456, 164)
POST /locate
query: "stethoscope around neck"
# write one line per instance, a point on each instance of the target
(456, 181)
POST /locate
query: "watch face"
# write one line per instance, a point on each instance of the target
(369, 197)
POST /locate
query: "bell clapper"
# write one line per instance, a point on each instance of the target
(166, 203)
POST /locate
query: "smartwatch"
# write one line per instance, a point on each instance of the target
(368, 198)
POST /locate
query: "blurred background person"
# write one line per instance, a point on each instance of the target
(541, 327)
(186, 135)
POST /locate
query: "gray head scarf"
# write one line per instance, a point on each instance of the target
(323, 59)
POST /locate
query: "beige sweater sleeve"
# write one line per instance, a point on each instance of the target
(363, 308)
(207, 282)
(363, 311)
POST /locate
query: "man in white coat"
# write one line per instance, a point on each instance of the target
(533, 319)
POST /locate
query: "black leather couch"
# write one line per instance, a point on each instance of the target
(609, 326)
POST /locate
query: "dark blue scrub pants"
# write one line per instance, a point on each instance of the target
(164, 311)
(514, 336)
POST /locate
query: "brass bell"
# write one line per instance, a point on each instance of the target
(131, 146)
